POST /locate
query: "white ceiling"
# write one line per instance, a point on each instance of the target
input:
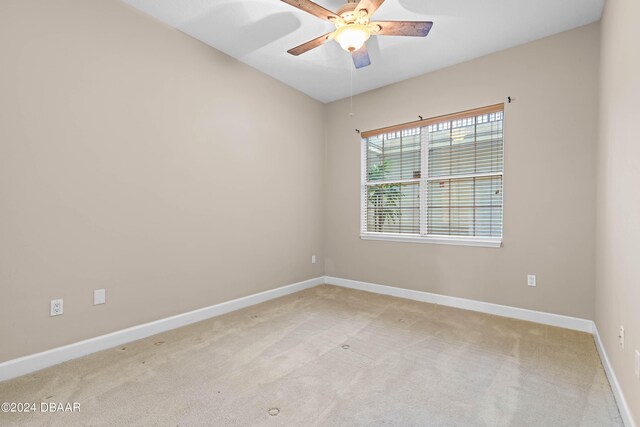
(259, 33)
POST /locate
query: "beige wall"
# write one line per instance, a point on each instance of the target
(137, 159)
(618, 217)
(549, 190)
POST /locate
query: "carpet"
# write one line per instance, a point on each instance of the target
(330, 356)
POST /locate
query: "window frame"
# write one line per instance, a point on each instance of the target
(478, 241)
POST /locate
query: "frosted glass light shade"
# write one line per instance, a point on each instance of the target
(352, 36)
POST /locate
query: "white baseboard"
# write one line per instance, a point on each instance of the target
(625, 412)
(559, 320)
(568, 322)
(35, 362)
(27, 364)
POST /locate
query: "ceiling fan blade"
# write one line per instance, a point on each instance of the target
(312, 8)
(361, 57)
(370, 5)
(403, 28)
(311, 44)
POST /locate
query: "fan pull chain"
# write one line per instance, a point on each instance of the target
(351, 95)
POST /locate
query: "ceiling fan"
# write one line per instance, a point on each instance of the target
(354, 27)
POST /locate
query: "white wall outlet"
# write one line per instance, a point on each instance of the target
(313, 259)
(621, 336)
(531, 280)
(638, 364)
(99, 296)
(56, 307)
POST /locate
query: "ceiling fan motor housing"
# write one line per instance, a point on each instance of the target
(349, 16)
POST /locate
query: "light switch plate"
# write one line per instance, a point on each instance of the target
(99, 296)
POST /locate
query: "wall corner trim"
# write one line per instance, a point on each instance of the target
(623, 407)
(35, 362)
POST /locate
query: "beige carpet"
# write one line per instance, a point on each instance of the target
(331, 356)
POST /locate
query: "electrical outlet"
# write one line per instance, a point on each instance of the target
(531, 280)
(56, 307)
(313, 259)
(99, 296)
(621, 336)
(637, 364)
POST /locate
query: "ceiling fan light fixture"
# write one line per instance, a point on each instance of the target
(352, 36)
(354, 27)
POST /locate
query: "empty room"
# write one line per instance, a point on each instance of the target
(319, 213)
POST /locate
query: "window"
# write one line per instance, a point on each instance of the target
(437, 180)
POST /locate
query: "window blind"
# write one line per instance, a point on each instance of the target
(443, 178)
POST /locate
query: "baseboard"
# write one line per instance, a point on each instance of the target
(625, 412)
(568, 322)
(559, 320)
(35, 362)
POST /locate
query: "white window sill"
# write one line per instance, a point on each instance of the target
(487, 242)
